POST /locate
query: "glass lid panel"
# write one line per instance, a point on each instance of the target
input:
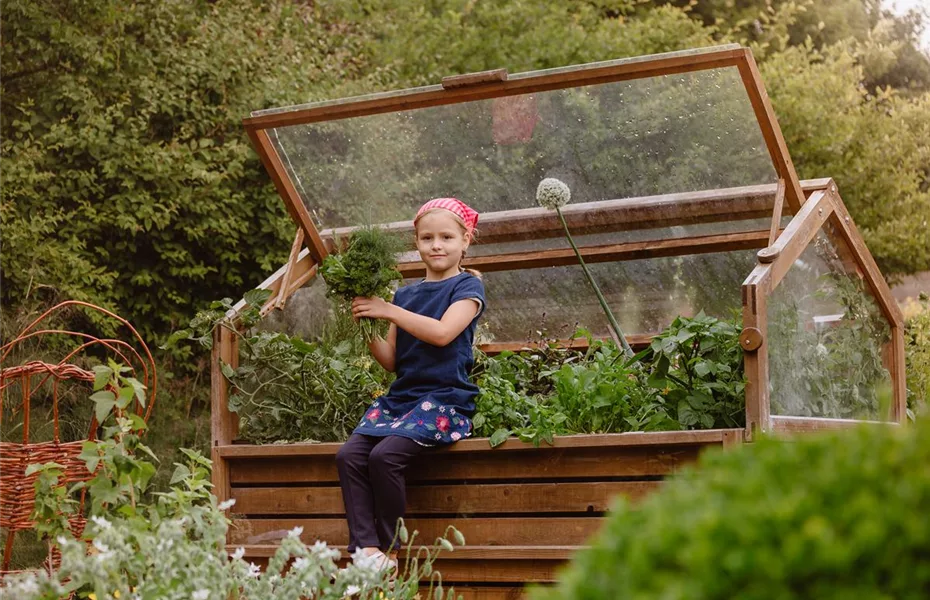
(644, 137)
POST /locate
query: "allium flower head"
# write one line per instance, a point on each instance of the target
(552, 193)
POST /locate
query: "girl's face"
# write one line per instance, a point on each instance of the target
(441, 242)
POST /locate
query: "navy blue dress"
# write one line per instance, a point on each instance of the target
(432, 399)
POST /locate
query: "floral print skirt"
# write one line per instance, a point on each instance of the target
(425, 421)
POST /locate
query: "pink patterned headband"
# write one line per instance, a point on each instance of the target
(468, 215)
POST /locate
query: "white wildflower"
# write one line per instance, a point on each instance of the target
(239, 553)
(201, 595)
(101, 546)
(301, 563)
(295, 532)
(254, 570)
(101, 522)
(552, 193)
(226, 504)
(62, 540)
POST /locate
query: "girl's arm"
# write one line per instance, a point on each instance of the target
(384, 350)
(438, 332)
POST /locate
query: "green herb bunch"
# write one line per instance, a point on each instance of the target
(367, 267)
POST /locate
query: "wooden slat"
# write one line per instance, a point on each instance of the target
(468, 552)
(293, 203)
(548, 464)
(480, 445)
(771, 131)
(656, 248)
(463, 574)
(644, 212)
(637, 341)
(522, 83)
(505, 531)
(473, 499)
(786, 424)
(468, 592)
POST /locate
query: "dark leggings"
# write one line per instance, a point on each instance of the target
(371, 473)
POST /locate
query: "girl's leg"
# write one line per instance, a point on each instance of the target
(386, 465)
(352, 462)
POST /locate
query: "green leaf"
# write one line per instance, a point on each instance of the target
(499, 437)
(105, 401)
(102, 375)
(257, 297)
(228, 371)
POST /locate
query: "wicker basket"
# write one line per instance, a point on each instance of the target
(17, 491)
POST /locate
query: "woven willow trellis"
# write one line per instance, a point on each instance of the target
(29, 379)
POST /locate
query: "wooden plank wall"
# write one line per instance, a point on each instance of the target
(523, 511)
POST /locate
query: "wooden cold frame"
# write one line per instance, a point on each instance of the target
(639, 213)
(821, 207)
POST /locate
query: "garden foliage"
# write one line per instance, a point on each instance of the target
(140, 544)
(691, 377)
(917, 339)
(366, 267)
(830, 516)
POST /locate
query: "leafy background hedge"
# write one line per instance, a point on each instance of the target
(128, 180)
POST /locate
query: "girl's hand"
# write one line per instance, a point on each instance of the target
(373, 308)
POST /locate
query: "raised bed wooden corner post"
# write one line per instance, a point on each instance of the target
(224, 425)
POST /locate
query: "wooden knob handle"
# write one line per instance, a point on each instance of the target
(750, 339)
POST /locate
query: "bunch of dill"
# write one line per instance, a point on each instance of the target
(367, 267)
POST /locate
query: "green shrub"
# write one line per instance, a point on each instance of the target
(829, 516)
(917, 352)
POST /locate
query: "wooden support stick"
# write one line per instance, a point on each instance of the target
(776, 211)
(281, 297)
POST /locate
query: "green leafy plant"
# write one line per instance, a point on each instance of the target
(289, 389)
(144, 544)
(834, 370)
(838, 515)
(367, 267)
(697, 363)
(690, 377)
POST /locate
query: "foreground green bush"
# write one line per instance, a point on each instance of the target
(832, 516)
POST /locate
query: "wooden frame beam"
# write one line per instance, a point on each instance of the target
(284, 185)
(771, 131)
(701, 244)
(645, 212)
(785, 424)
(637, 340)
(521, 83)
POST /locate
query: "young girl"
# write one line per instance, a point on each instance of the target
(429, 345)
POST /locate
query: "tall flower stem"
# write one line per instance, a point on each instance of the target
(616, 332)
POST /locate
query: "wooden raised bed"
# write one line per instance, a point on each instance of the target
(525, 510)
